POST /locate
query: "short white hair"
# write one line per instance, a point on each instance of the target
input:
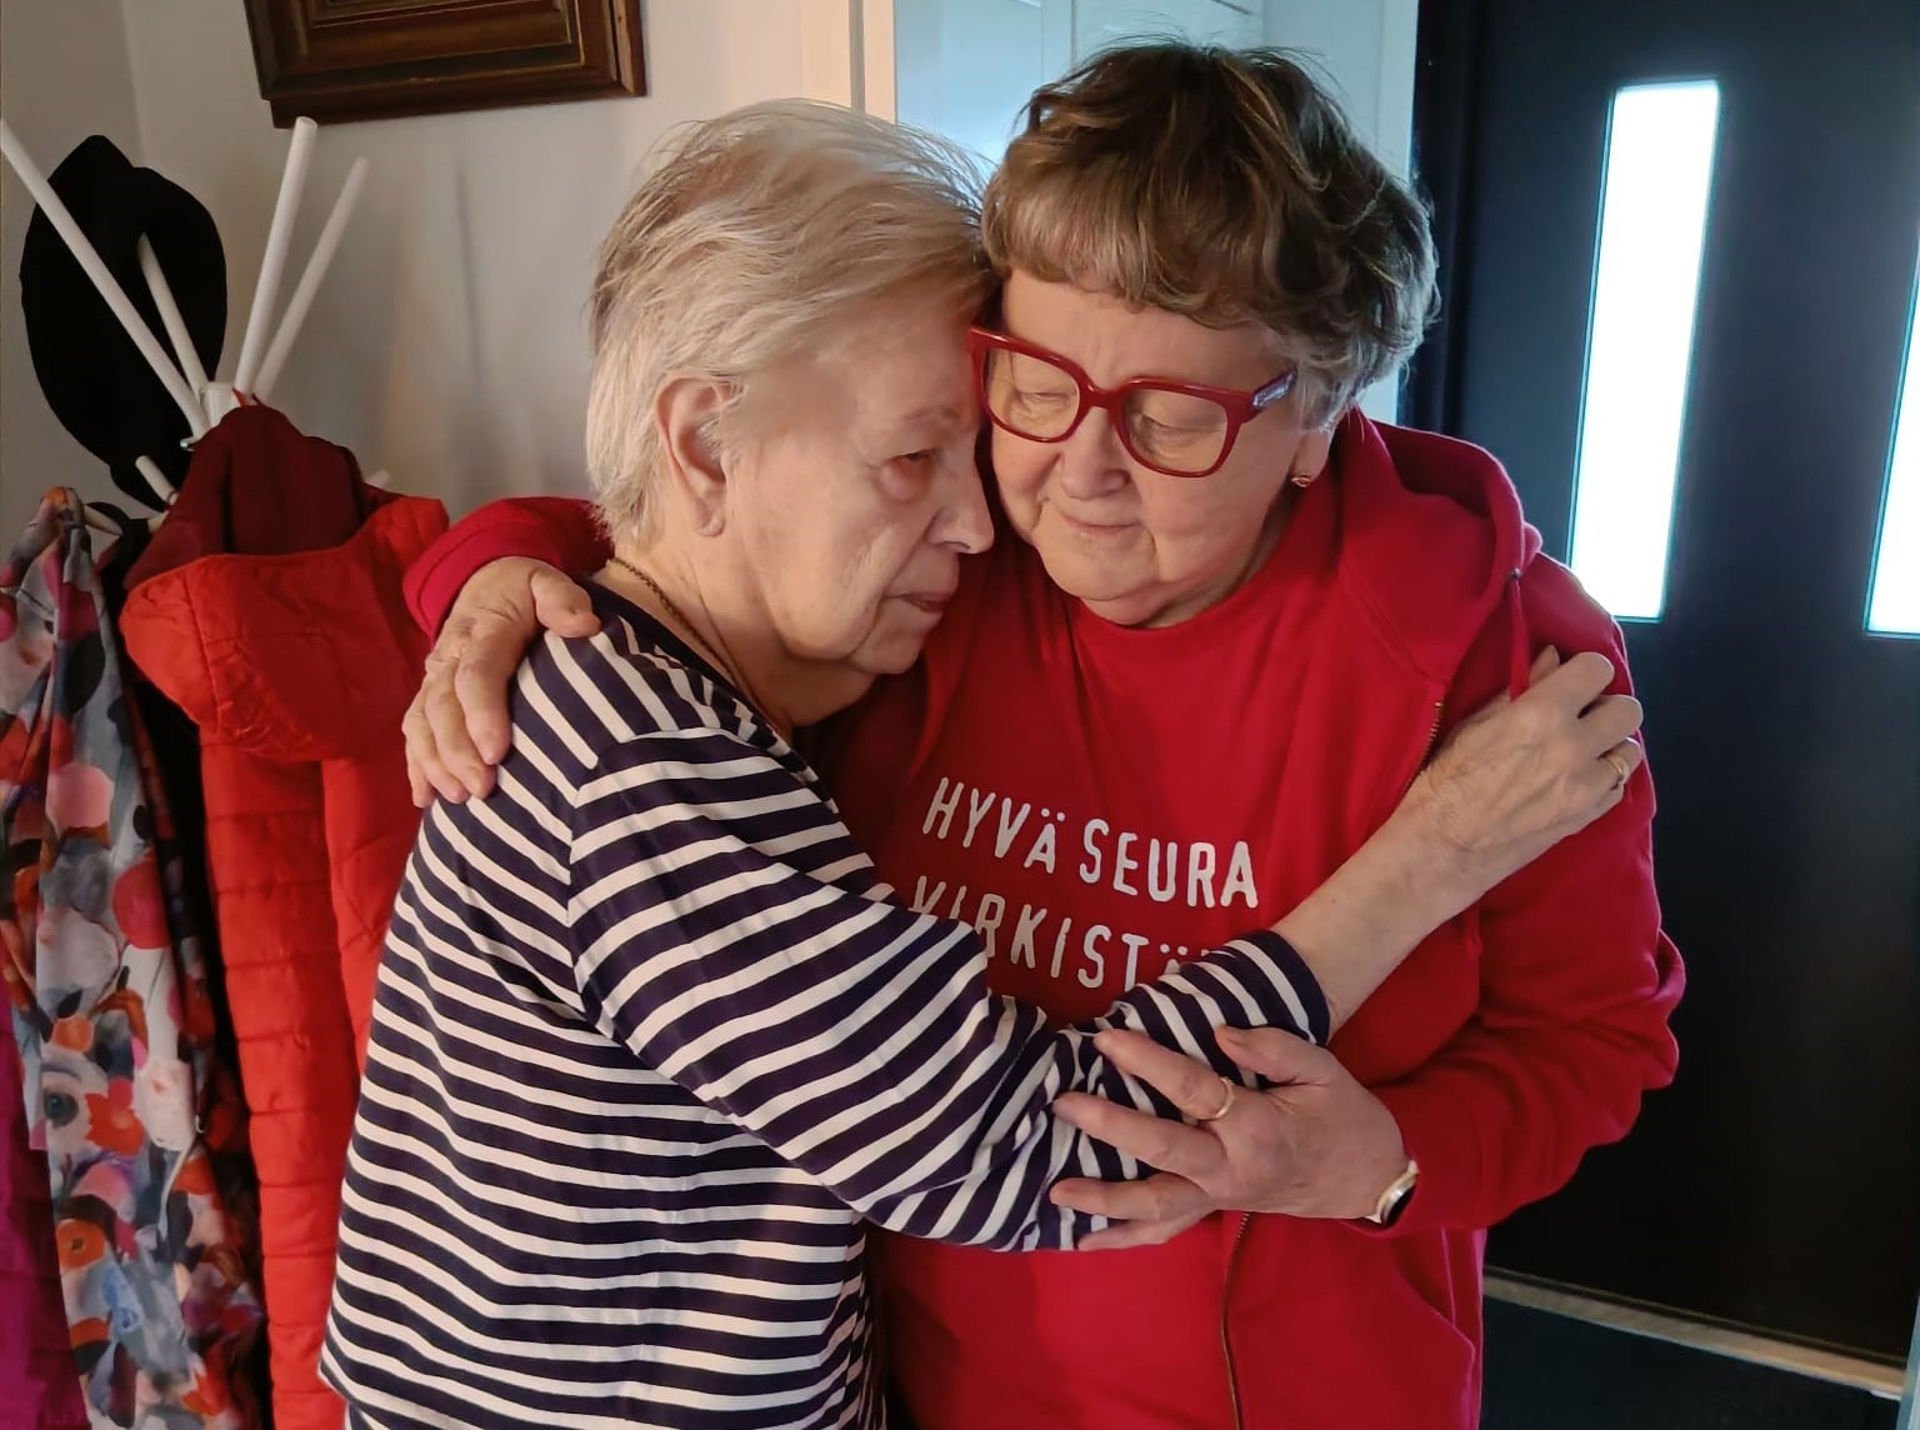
(757, 236)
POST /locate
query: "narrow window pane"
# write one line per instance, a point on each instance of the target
(1653, 220)
(1894, 608)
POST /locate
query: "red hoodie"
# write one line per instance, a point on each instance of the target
(1278, 729)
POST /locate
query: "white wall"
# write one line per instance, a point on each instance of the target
(449, 346)
(64, 74)
(449, 343)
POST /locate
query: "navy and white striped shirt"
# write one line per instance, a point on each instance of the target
(650, 1041)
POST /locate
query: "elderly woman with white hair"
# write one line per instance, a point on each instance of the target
(651, 1039)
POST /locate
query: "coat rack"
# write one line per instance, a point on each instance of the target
(200, 399)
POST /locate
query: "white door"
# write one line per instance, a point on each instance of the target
(1098, 23)
(966, 67)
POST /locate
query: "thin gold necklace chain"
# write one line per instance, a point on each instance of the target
(679, 616)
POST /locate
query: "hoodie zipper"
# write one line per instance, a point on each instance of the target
(1226, 1332)
(1426, 750)
(1246, 1218)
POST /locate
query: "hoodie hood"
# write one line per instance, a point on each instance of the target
(1433, 544)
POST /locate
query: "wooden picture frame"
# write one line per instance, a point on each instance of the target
(336, 60)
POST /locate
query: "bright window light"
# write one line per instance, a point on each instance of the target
(1894, 607)
(1653, 221)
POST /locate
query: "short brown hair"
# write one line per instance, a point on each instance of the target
(1229, 187)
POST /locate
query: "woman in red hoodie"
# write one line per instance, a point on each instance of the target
(1232, 622)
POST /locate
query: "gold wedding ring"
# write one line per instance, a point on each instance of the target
(1622, 771)
(1226, 1103)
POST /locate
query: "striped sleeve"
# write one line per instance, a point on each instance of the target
(728, 931)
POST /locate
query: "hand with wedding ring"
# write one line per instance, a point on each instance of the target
(1520, 775)
(1227, 1090)
(1313, 1143)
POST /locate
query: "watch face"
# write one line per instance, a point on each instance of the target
(1394, 1200)
(1398, 1205)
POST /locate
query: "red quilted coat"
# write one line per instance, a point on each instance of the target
(269, 608)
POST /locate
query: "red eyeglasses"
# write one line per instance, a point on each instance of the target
(1180, 429)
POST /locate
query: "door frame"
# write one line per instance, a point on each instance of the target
(1447, 74)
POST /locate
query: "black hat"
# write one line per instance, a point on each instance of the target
(95, 380)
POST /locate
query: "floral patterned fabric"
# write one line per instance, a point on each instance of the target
(110, 1011)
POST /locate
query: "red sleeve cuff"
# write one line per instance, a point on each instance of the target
(561, 531)
(1443, 1139)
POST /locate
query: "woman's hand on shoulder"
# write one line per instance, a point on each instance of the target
(1523, 774)
(457, 727)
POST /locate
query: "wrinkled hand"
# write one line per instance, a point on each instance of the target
(1521, 775)
(1316, 1144)
(457, 727)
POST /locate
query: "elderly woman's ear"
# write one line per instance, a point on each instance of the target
(688, 411)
